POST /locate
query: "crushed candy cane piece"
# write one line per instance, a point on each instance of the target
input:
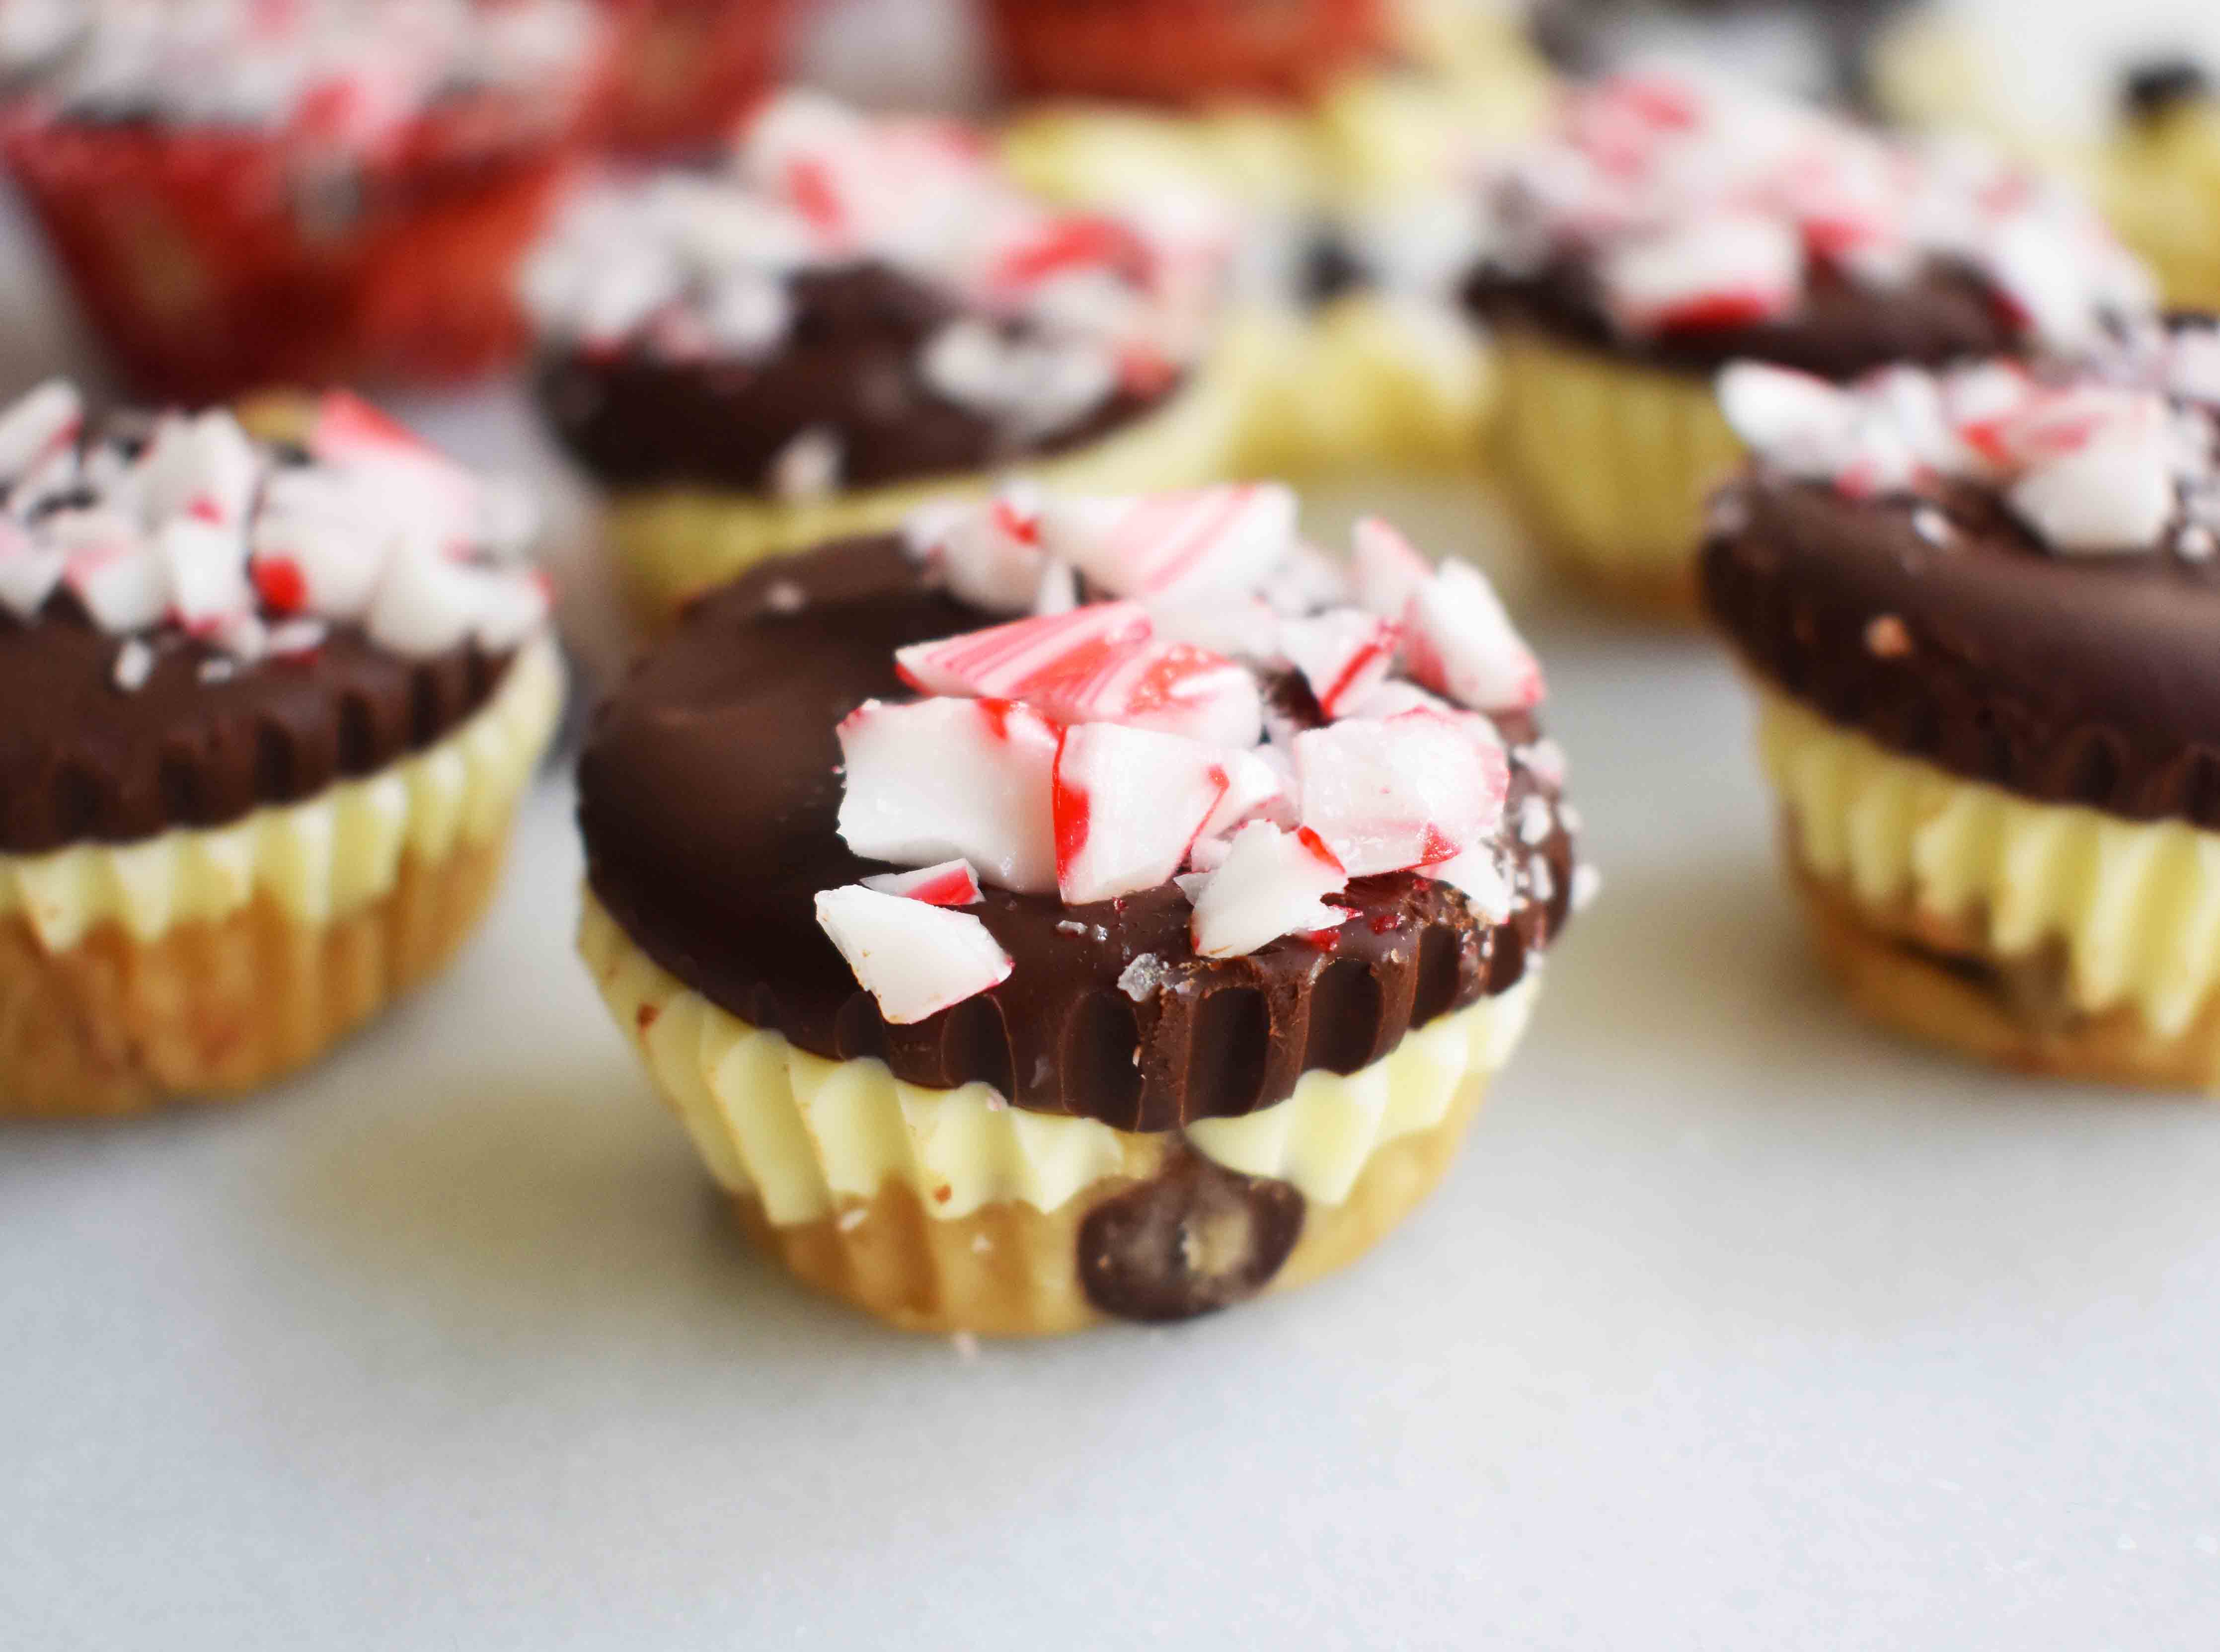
(945, 779)
(1460, 642)
(951, 883)
(1129, 805)
(1402, 792)
(206, 570)
(45, 418)
(1729, 271)
(1342, 653)
(1178, 546)
(134, 663)
(1270, 883)
(1388, 569)
(915, 959)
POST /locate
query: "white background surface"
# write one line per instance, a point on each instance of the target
(1736, 1326)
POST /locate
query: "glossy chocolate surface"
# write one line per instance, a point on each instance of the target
(1840, 330)
(708, 794)
(849, 367)
(81, 760)
(2065, 678)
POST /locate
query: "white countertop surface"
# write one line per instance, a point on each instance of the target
(1738, 1326)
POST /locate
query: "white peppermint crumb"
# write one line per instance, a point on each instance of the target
(1932, 525)
(1587, 883)
(981, 1244)
(852, 1218)
(808, 467)
(1070, 926)
(1534, 821)
(966, 1346)
(785, 597)
(134, 663)
(1541, 882)
(1100, 933)
(996, 1102)
(218, 671)
(1568, 817)
(1146, 975)
(2196, 543)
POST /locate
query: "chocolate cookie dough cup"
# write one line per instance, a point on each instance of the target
(1982, 704)
(239, 814)
(317, 194)
(852, 315)
(961, 1101)
(1664, 227)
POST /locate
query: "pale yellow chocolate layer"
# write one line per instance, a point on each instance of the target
(2135, 905)
(1608, 461)
(799, 1133)
(1368, 380)
(321, 859)
(2160, 188)
(676, 542)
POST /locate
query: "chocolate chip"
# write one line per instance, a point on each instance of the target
(1195, 1239)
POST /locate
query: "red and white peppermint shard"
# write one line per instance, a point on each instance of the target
(1407, 791)
(1129, 806)
(206, 566)
(1177, 547)
(121, 583)
(987, 553)
(914, 958)
(313, 552)
(951, 883)
(1096, 665)
(1388, 569)
(1270, 883)
(1458, 640)
(416, 484)
(947, 779)
(202, 468)
(1728, 270)
(1258, 785)
(1343, 654)
(2114, 490)
(29, 572)
(1008, 662)
(38, 424)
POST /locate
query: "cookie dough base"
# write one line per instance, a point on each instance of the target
(1007, 1269)
(1608, 464)
(1936, 979)
(213, 1007)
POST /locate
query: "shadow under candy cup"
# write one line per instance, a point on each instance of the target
(215, 262)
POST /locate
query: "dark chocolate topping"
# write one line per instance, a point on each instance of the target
(2069, 679)
(849, 366)
(708, 794)
(1840, 331)
(2162, 85)
(83, 761)
(1192, 1239)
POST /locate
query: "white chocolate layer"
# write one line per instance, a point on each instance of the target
(801, 1132)
(325, 858)
(2134, 903)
